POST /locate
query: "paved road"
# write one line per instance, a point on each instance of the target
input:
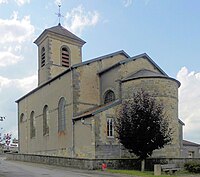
(23, 169)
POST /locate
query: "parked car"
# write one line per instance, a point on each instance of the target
(13, 147)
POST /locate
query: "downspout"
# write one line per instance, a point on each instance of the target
(120, 97)
(73, 148)
(73, 122)
(120, 89)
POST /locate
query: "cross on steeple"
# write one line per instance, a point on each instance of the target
(59, 14)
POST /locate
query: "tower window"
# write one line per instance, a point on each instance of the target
(109, 96)
(42, 57)
(65, 57)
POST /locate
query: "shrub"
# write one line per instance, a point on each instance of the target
(193, 167)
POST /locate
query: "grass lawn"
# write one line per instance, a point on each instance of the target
(149, 173)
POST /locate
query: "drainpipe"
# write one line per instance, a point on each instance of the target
(73, 122)
(73, 148)
(120, 90)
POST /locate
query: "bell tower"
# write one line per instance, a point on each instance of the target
(58, 50)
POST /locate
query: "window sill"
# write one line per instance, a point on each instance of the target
(46, 135)
(61, 133)
(110, 137)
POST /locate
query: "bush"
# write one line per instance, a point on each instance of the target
(193, 167)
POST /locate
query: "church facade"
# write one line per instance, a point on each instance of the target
(72, 111)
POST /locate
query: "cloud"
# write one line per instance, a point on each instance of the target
(127, 3)
(3, 1)
(3, 82)
(28, 83)
(58, 2)
(19, 2)
(24, 85)
(22, 2)
(79, 18)
(8, 58)
(11, 90)
(189, 102)
(14, 30)
(14, 33)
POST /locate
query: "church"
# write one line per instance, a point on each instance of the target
(71, 113)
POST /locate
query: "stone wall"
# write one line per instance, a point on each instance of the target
(55, 142)
(53, 160)
(165, 91)
(93, 164)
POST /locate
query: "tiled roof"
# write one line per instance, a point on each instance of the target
(120, 52)
(143, 73)
(97, 110)
(189, 143)
(181, 122)
(60, 30)
(144, 55)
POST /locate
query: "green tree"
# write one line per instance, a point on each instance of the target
(141, 126)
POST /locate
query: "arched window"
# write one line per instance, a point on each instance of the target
(109, 96)
(45, 120)
(42, 57)
(32, 125)
(65, 57)
(22, 117)
(61, 115)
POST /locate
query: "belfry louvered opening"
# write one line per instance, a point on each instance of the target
(42, 57)
(65, 57)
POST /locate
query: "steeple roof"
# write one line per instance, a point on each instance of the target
(60, 30)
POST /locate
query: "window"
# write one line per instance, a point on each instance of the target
(22, 118)
(190, 154)
(61, 115)
(110, 127)
(42, 57)
(45, 120)
(32, 124)
(109, 96)
(65, 57)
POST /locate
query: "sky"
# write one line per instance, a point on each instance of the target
(168, 31)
